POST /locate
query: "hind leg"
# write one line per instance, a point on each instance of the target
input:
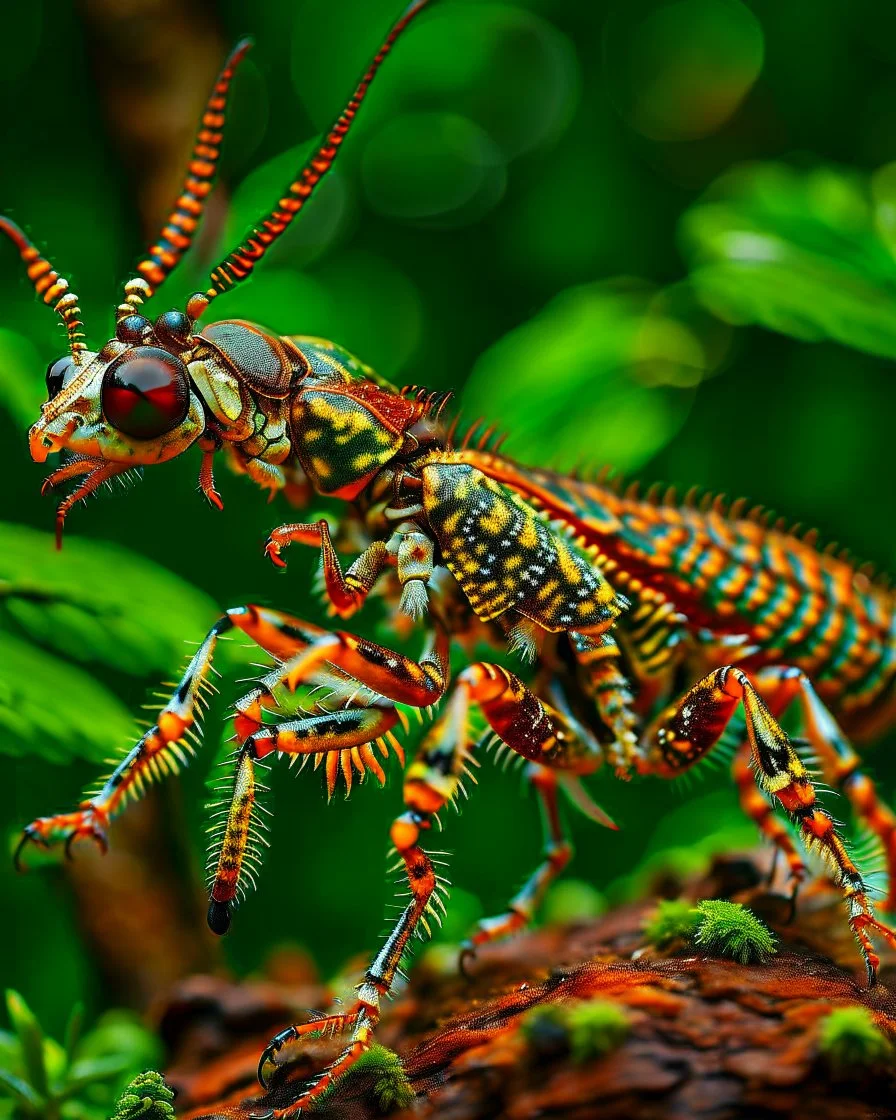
(556, 855)
(760, 810)
(558, 749)
(838, 760)
(688, 730)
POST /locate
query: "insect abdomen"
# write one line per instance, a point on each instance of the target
(731, 574)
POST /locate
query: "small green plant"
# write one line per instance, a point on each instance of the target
(587, 1028)
(850, 1040)
(390, 1086)
(731, 930)
(672, 920)
(146, 1098)
(41, 1079)
(596, 1027)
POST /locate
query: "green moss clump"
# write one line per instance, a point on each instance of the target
(147, 1098)
(731, 930)
(587, 1028)
(596, 1028)
(390, 1086)
(672, 920)
(850, 1040)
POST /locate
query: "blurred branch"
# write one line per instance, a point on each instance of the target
(154, 64)
(140, 906)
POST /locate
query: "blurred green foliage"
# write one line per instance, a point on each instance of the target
(79, 1079)
(852, 1042)
(576, 204)
(86, 610)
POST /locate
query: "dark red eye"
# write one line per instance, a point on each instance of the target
(146, 392)
(58, 373)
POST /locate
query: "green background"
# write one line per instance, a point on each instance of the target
(655, 235)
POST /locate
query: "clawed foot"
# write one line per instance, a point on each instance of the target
(863, 925)
(88, 822)
(272, 551)
(320, 1025)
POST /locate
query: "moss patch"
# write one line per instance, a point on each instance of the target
(728, 929)
(850, 1040)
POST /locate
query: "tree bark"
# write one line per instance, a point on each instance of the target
(709, 1038)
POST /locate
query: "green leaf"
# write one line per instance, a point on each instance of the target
(91, 1071)
(22, 1092)
(797, 252)
(73, 1030)
(31, 1040)
(54, 710)
(21, 386)
(98, 602)
(618, 361)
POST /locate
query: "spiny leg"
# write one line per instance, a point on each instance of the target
(432, 780)
(838, 759)
(160, 751)
(393, 675)
(687, 731)
(169, 742)
(344, 736)
(557, 747)
(605, 682)
(760, 810)
(362, 1017)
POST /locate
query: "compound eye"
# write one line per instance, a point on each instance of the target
(146, 392)
(58, 373)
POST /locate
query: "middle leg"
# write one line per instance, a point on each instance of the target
(532, 729)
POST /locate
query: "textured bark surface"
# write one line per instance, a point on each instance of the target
(709, 1038)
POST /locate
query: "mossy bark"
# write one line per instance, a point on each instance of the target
(709, 1037)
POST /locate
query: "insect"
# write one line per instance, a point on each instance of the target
(646, 626)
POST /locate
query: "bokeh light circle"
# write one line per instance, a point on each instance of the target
(681, 70)
(433, 167)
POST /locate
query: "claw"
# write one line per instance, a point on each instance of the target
(214, 499)
(267, 1055)
(272, 551)
(88, 822)
(29, 835)
(97, 835)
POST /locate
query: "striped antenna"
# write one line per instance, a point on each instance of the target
(50, 286)
(183, 221)
(239, 264)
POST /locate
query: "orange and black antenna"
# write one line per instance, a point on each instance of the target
(183, 221)
(239, 264)
(50, 286)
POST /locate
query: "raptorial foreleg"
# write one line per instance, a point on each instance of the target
(408, 550)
